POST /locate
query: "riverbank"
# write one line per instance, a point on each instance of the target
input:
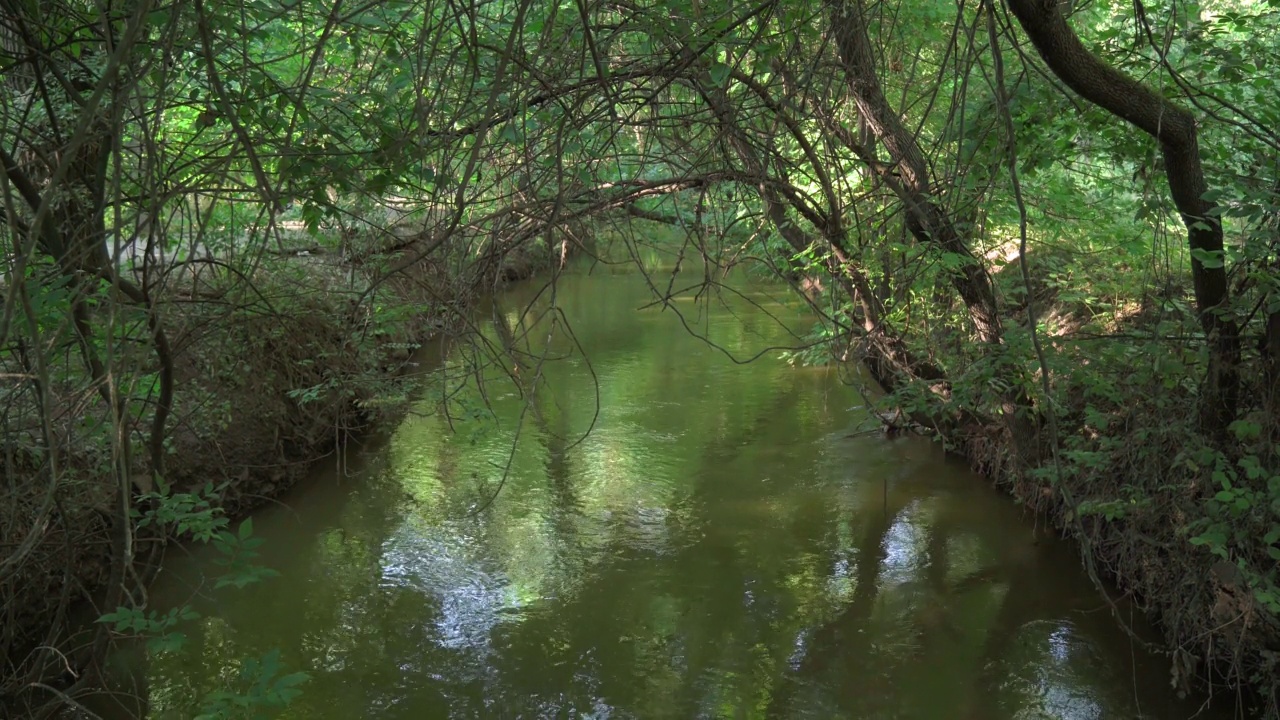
(713, 541)
(1185, 529)
(308, 372)
(273, 370)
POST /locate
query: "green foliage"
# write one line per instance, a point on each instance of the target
(238, 553)
(1243, 514)
(194, 516)
(426, 141)
(261, 685)
(819, 346)
(155, 627)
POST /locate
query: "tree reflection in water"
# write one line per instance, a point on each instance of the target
(717, 546)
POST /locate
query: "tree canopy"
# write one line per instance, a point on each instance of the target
(1048, 230)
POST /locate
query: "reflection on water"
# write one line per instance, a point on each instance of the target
(717, 546)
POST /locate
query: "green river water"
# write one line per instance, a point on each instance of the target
(722, 544)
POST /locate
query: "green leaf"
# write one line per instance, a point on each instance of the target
(719, 73)
(246, 529)
(120, 613)
(1246, 430)
(510, 133)
(1208, 259)
(170, 642)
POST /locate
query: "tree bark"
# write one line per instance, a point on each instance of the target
(907, 173)
(885, 355)
(1175, 129)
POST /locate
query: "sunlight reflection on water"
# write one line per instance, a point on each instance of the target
(718, 546)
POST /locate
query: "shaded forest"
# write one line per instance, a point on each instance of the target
(1048, 231)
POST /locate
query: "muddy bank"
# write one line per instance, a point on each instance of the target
(324, 377)
(1140, 509)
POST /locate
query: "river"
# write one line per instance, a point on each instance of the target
(724, 542)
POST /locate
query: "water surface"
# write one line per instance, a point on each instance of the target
(721, 544)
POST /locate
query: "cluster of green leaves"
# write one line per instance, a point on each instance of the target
(1243, 512)
(261, 684)
(194, 515)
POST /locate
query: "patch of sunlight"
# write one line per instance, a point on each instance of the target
(416, 454)
(807, 585)
(1211, 10)
(625, 470)
(1056, 672)
(1003, 254)
(528, 555)
(904, 544)
(1123, 312)
(472, 599)
(843, 581)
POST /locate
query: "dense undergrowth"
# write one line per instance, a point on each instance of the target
(1186, 526)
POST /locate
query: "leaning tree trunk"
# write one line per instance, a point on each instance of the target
(1175, 129)
(885, 355)
(907, 174)
(927, 221)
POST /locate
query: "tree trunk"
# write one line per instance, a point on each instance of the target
(58, 169)
(884, 354)
(926, 220)
(907, 174)
(1175, 129)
